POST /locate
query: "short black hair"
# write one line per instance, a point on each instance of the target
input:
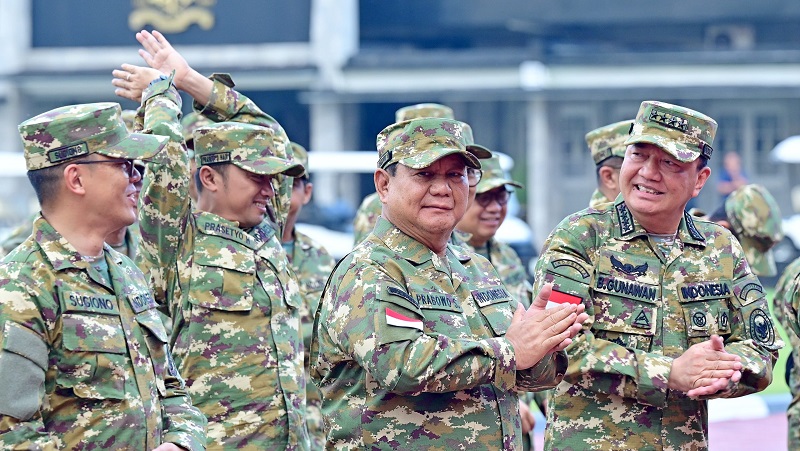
(617, 162)
(391, 169)
(221, 168)
(703, 163)
(45, 182)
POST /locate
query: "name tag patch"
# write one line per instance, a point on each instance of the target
(439, 301)
(612, 285)
(705, 290)
(141, 301)
(90, 302)
(489, 296)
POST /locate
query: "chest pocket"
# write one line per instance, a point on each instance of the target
(625, 301)
(706, 309)
(94, 362)
(223, 281)
(495, 304)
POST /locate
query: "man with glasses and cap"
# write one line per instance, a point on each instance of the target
(84, 356)
(220, 269)
(417, 344)
(676, 314)
(607, 145)
(370, 208)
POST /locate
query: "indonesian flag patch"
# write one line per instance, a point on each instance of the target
(395, 319)
(559, 297)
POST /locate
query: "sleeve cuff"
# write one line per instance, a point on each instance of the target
(653, 377)
(217, 108)
(505, 367)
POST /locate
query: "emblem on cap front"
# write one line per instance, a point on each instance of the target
(669, 120)
(67, 152)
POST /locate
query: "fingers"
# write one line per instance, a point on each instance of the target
(717, 344)
(707, 390)
(541, 298)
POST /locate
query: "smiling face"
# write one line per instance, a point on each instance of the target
(243, 196)
(656, 186)
(426, 203)
(482, 221)
(114, 187)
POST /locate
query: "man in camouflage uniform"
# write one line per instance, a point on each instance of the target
(415, 346)
(787, 312)
(370, 208)
(221, 269)
(312, 265)
(676, 315)
(84, 361)
(607, 145)
(124, 240)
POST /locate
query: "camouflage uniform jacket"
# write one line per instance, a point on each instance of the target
(84, 364)
(508, 265)
(233, 302)
(645, 310)
(598, 198)
(409, 350)
(366, 217)
(787, 311)
(312, 265)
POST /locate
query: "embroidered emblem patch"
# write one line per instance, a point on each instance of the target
(628, 268)
(761, 327)
(572, 264)
(699, 320)
(723, 321)
(642, 320)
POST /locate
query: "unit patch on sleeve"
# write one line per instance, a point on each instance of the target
(761, 330)
(556, 264)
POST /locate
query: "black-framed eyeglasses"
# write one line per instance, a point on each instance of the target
(500, 196)
(128, 165)
(474, 176)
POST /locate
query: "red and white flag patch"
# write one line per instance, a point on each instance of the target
(396, 319)
(559, 297)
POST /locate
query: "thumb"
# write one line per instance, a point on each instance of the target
(717, 344)
(541, 298)
(519, 313)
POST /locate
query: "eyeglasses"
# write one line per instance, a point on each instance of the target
(128, 166)
(501, 197)
(474, 176)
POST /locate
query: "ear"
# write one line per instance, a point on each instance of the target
(382, 179)
(606, 174)
(211, 179)
(307, 190)
(73, 179)
(702, 177)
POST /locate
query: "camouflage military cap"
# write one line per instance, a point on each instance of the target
(493, 176)
(417, 143)
(756, 221)
(250, 147)
(421, 110)
(129, 118)
(683, 133)
(300, 155)
(59, 135)
(608, 141)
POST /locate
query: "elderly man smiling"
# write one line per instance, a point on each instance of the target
(417, 342)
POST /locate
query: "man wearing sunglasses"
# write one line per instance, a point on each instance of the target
(84, 359)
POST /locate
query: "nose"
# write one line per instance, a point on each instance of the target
(650, 168)
(136, 176)
(441, 185)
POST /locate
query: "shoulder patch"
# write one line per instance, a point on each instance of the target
(625, 219)
(761, 329)
(751, 293)
(555, 264)
(400, 293)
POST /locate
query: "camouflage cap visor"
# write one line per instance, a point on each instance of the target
(263, 165)
(423, 153)
(675, 129)
(759, 256)
(491, 182)
(479, 151)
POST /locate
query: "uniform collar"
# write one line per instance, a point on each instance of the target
(61, 254)
(412, 250)
(626, 226)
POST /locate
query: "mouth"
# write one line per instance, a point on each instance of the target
(261, 205)
(646, 190)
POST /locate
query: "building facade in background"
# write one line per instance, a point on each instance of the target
(531, 77)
